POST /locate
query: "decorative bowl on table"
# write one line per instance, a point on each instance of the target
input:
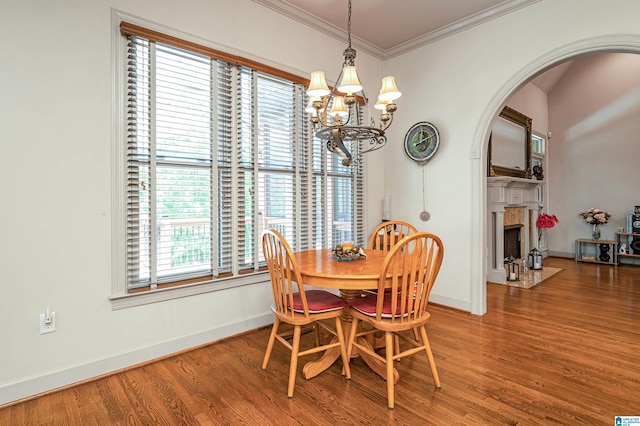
(348, 251)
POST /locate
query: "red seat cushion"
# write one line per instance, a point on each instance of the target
(367, 305)
(319, 301)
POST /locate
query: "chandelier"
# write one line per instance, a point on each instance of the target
(337, 113)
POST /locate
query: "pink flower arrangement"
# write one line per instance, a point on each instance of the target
(595, 216)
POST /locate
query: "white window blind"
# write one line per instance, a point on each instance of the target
(216, 154)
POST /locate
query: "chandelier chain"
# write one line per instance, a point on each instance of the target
(349, 25)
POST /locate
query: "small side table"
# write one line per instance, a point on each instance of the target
(603, 251)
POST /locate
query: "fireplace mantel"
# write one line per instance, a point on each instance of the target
(507, 192)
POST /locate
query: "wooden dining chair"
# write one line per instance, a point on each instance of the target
(295, 306)
(410, 270)
(387, 234)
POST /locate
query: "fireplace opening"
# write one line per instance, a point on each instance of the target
(512, 241)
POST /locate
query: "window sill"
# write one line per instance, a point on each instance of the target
(160, 295)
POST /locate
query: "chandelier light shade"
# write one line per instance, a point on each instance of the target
(389, 90)
(338, 109)
(318, 85)
(350, 83)
(337, 113)
(381, 105)
(310, 109)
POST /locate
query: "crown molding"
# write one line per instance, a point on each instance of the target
(312, 21)
(471, 21)
(305, 18)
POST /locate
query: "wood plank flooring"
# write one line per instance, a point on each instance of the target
(564, 352)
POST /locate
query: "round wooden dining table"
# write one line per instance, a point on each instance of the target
(321, 268)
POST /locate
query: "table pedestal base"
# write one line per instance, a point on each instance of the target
(313, 368)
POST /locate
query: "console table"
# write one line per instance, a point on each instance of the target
(602, 249)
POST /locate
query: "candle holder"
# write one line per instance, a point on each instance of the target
(513, 270)
(535, 259)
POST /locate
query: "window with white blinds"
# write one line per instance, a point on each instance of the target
(217, 151)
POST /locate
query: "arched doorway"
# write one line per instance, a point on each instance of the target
(611, 44)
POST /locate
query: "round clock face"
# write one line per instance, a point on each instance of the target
(421, 141)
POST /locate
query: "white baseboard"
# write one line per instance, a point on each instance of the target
(450, 302)
(37, 385)
(562, 254)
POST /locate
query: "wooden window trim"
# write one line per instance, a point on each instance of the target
(127, 28)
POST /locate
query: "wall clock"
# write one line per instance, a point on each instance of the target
(421, 142)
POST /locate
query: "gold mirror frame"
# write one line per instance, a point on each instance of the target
(519, 119)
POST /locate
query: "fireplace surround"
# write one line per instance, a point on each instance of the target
(512, 203)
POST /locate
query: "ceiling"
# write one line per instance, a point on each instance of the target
(387, 28)
(548, 79)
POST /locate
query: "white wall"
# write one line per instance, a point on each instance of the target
(56, 174)
(532, 102)
(55, 145)
(594, 115)
(460, 84)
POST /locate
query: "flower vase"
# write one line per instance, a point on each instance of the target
(595, 234)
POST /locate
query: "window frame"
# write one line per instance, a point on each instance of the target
(539, 157)
(123, 297)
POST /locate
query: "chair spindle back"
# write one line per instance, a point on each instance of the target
(412, 265)
(283, 270)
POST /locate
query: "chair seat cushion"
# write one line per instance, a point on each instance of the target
(367, 305)
(319, 301)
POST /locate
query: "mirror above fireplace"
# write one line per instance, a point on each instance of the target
(509, 152)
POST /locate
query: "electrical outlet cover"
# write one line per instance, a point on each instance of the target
(47, 328)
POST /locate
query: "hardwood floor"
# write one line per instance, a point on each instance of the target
(564, 352)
